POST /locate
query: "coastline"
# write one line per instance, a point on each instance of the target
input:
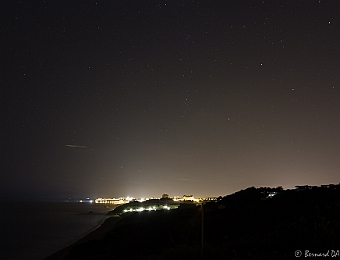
(95, 234)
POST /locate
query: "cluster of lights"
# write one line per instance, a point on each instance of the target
(122, 200)
(125, 200)
(271, 194)
(140, 209)
(90, 201)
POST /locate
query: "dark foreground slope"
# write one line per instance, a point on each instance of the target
(244, 225)
(253, 227)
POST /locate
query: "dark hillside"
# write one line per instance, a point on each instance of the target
(144, 234)
(261, 223)
(251, 226)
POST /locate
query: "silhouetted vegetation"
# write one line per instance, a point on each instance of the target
(256, 223)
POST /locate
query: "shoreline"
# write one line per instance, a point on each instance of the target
(96, 234)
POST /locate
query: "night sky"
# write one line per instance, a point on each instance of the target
(141, 98)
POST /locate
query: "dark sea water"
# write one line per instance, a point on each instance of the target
(34, 230)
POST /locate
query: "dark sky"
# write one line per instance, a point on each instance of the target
(141, 98)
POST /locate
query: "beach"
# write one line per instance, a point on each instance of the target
(107, 226)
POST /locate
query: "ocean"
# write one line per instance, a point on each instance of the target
(34, 230)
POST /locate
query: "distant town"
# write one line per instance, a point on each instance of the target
(192, 199)
(124, 200)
